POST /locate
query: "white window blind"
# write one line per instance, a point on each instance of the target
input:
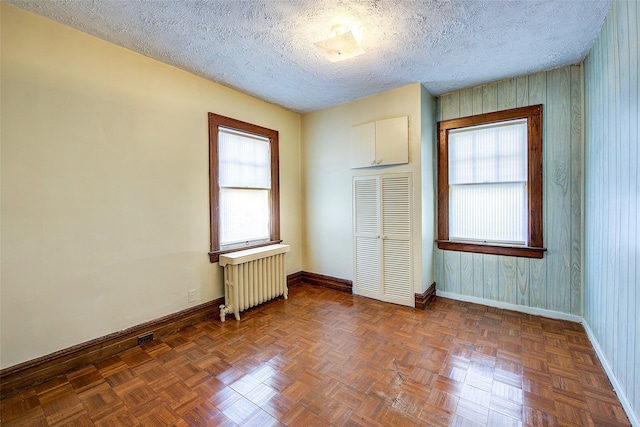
(488, 183)
(245, 182)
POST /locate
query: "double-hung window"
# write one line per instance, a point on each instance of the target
(243, 169)
(490, 183)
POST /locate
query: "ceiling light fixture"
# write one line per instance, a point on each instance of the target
(342, 45)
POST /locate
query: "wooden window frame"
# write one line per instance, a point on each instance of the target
(535, 248)
(215, 122)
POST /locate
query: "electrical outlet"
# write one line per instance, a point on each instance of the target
(192, 295)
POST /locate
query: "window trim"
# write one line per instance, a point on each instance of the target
(535, 249)
(215, 122)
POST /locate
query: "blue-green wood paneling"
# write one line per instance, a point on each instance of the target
(553, 282)
(611, 189)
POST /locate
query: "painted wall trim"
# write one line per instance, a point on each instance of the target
(508, 306)
(633, 418)
(17, 378)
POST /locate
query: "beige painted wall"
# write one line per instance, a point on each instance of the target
(105, 186)
(327, 181)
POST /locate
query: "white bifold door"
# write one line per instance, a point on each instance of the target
(382, 241)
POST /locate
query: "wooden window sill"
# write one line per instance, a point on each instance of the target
(214, 256)
(492, 249)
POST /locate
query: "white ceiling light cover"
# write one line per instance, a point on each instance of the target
(343, 45)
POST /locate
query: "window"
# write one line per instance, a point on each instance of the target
(490, 183)
(244, 185)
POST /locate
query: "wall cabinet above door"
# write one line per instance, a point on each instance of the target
(380, 143)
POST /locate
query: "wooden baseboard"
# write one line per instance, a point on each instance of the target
(341, 285)
(425, 298)
(33, 372)
(421, 300)
(294, 279)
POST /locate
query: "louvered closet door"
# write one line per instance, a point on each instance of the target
(367, 237)
(397, 283)
(382, 223)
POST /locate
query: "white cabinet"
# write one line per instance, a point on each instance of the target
(382, 242)
(380, 143)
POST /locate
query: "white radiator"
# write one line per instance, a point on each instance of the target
(252, 277)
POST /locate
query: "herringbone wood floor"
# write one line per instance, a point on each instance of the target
(328, 358)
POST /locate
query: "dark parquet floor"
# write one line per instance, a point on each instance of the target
(327, 358)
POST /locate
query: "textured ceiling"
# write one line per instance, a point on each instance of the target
(265, 47)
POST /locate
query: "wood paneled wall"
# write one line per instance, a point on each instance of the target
(612, 186)
(554, 282)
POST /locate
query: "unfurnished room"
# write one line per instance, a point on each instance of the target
(319, 213)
